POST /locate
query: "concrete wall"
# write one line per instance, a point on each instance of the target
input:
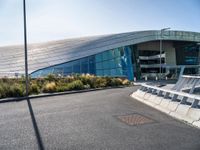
(170, 56)
(167, 47)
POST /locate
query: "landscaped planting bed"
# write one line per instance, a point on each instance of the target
(50, 84)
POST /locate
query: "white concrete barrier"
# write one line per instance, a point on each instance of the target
(180, 105)
(147, 96)
(193, 115)
(181, 113)
(196, 123)
(173, 106)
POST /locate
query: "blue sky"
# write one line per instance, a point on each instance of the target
(60, 19)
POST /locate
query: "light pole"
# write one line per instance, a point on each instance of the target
(161, 36)
(37, 133)
(25, 48)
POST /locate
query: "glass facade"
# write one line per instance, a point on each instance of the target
(187, 54)
(127, 62)
(115, 62)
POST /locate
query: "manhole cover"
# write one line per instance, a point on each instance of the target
(135, 119)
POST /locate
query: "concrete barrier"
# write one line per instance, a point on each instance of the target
(181, 113)
(193, 115)
(147, 96)
(173, 106)
(153, 98)
(141, 93)
(182, 106)
(163, 105)
(196, 123)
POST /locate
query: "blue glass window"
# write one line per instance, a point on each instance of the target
(121, 51)
(112, 63)
(76, 66)
(98, 57)
(58, 70)
(84, 65)
(105, 56)
(99, 65)
(118, 62)
(110, 54)
(92, 65)
(106, 65)
(99, 72)
(107, 72)
(119, 71)
(113, 72)
(68, 70)
(116, 52)
(46, 71)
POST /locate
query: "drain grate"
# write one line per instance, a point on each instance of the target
(135, 119)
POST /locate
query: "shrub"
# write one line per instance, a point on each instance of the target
(61, 89)
(34, 89)
(87, 86)
(5, 80)
(16, 87)
(100, 82)
(5, 90)
(39, 81)
(2, 92)
(75, 85)
(116, 82)
(84, 79)
(49, 87)
(16, 90)
(126, 82)
(109, 81)
(68, 79)
(51, 78)
(62, 86)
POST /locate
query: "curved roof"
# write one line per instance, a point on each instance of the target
(51, 53)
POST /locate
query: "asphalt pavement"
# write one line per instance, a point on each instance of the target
(90, 121)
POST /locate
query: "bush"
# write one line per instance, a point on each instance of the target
(16, 90)
(16, 87)
(2, 92)
(75, 85)
(116, 82)
(68, 79)
(62, 86)
(126, 82)
(51, 78)
(39, 81)
(109, 81)
(87, 86)
(100, 82)
(49, 87)
(34, 89)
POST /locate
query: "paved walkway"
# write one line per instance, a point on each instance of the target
(90, 121)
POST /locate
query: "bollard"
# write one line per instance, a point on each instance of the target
(156, 78)
(135, 79)
(166, 78)
(146, 78)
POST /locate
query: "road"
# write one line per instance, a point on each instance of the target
(90, 121)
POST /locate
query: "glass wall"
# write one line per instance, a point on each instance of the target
(115, 62)
(187, 54)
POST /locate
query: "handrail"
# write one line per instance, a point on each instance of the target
(188, 76)
(192, 96)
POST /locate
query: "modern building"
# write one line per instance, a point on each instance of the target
(129, 55)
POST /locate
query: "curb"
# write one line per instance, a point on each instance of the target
(17, 99)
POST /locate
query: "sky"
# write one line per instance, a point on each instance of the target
(61, 19)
